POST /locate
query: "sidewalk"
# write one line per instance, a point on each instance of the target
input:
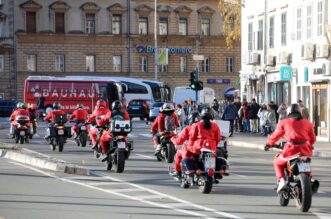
(256, 141)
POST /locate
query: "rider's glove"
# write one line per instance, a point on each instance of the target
(267, 147)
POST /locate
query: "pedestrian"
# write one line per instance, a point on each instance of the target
(245, 119)
(304, 110)
(238, 122)
(262, 119)
(271, 120)
(282, 111)
(181, 115)
(274, 107)
(253, 109)
(230, 113)
(215, 105)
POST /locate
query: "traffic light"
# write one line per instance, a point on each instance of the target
(198, 85)
(192, 78)
(194, 84)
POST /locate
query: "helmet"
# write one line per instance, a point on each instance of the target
(19, 105)
(167, 107)
(80, 106)
(56, 105)
(294, 108)
(101, 103)
(117, 105)
(24, 106)
(206, 113)
(193, 118)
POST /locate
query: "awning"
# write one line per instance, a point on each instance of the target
(230, 92)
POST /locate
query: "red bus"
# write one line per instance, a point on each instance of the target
(71, 90)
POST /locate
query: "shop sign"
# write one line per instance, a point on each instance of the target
(173, 50)
(286, 73)
(162, 56)
(319, 86)
(218, 81)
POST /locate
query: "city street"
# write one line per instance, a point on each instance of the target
(145, 189)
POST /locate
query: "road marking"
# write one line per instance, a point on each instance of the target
(235, 174)
(160, 205)
(147, 135)
(126, 190)
(72, 141)
(103, 183)
(145, 156)
(322, 215)
(144, 197)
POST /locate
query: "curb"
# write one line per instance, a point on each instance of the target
(234, 143)
(44, 162)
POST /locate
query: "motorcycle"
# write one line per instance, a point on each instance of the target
(81, 135)
(100, 131)
(119, 149)
(21, 133)
(204, 171)
(168, 149)
(33, 124)
(59, 133)
(222, 148)
(300, 186)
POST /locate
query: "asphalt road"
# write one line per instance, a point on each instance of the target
(145, 190)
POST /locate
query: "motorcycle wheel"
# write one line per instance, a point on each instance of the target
(284, 199)
(170, 155)
(158, 158)
(109, 163)
(60, 143)
(22, 139)
(119, 161)
(83, 139)
(303, 192)
(127, 154)
(205, 184)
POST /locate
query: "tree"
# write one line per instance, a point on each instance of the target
(231, 13)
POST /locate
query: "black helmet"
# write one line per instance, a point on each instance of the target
(56, 105)
(193, 118)
(24, 106)
(206, 113)
(116, 106)
(294, 108)
(80, 106)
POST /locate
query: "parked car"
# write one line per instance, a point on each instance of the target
(7, 107)
(138, 108)
(155, 110)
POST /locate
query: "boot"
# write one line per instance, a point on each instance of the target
(157, 149)
(314, 185)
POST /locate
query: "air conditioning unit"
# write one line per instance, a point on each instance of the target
(322, 51)
(283, 58)
(254, 59)
(307, 51)
(326, 68)
(271, 60)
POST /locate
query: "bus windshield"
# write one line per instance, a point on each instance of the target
(159, 93)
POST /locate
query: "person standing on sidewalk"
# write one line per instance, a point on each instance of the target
(271, 120)
(230, 113)
(263, 120)
(245, 119)
(238, 122)
(252, 115)
(304, 111)
(282, 111)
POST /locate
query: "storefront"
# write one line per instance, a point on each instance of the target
(303, 87)
(320, 115)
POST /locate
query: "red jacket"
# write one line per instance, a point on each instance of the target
(245, 111)
(79, 114)
(294, 131)
(18, 112)
(204, 138)
(96, 115)
(158, 124)
(184, 135)
(52, 114)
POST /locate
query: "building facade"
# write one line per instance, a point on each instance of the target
(286, 56)
(116, 38)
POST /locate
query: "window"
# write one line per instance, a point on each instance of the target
(299, 23)
(2, 30)
(182, 26)
(59, 63)
(283, 29)
(32, 63)
(116, 24)
(2, 67)
(59, 22)
(90, 24)
(205, 26)
(163, 26)
(117, 63)
(30, 22)
(183, 67)
(90, 63)
(271, 31)
(309, 20)
(206, 65)
(260, 36)
(229, 64)
(135, 88)
(163, 68)
(143, 25)
(320, 18)
(250, 36)
(143, 64)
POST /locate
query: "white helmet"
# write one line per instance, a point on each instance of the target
(167, 107)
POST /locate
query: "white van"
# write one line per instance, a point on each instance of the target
(206, 96)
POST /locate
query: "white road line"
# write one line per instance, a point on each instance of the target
(147, 135)
(145, 156)
(322, 215)
(103, 183)
(126, 190)
(72, 141)
(235, 174)
(160, 205)
(144, 197)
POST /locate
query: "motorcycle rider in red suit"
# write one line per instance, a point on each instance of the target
(116, 114)
(184, 136)
(101, 115)
(158, 126)
(20, 110)
(299, 135)
(51, 116)
(80, 114)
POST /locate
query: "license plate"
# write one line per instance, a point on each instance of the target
(304, 167)
(83, 128)
(135, 108)
(221, 144)
(210, 162)
(121, 144)
(22, 133)
(60, 132)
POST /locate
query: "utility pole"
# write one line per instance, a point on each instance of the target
(197, 71)
(155, 40)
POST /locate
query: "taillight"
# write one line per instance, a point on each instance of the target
(199, 172)
(210, 172)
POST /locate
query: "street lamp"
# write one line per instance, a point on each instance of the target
(155, 40)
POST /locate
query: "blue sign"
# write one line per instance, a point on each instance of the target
(218, 81)
(173, 50)
(286, 73)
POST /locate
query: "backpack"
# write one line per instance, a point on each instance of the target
(169, 123)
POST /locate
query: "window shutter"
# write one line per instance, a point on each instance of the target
(59, 22)
(31, 22)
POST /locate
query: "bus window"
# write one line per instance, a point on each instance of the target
(103, 92)
(156, 91)
(113, 93)
(133, 88)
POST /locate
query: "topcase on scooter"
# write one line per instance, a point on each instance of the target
(120, 126)
(60, 119)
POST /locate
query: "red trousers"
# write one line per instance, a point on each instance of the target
(74, 129)
(181, 153)
(104, 140)
(93, 135)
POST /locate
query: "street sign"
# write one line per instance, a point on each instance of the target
(198, 57)
(218, 81)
